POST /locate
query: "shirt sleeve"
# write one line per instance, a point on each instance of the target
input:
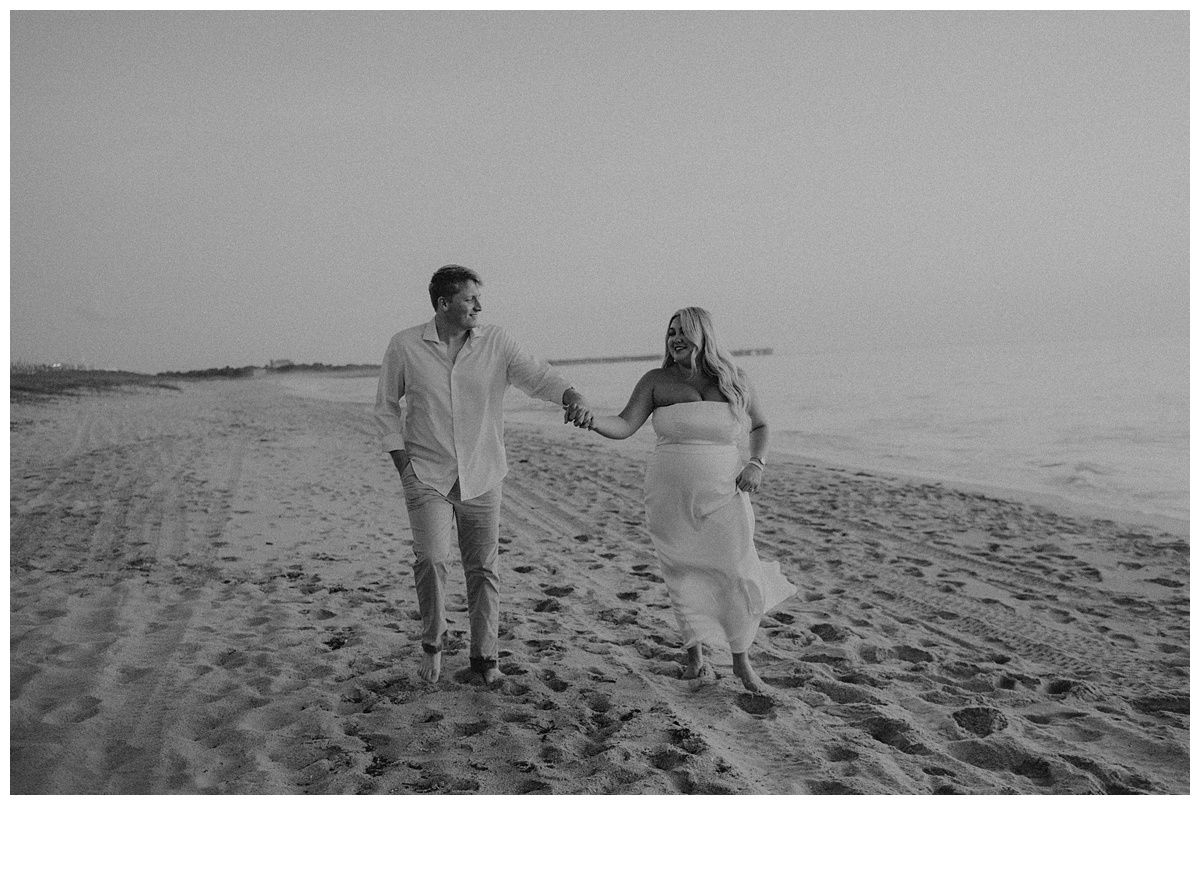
(534, 376)
(389, 419)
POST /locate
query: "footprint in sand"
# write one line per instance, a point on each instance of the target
(895, 733)
(841, 754)
(619, 617)
(760, 705)
(597, 701)
(514, 689)
(688, 741)
(654, 647)
(830, 632)
(470, 729)
(379, 765)
(668, 759)
(553, 682)
(912, 655)
(981, 721)
(1073, 688)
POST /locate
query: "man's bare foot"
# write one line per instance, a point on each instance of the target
(431, 666)
(491, 676)
(744, 671)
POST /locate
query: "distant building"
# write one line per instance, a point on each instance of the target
(279, 364)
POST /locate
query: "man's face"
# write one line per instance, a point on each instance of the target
(462, 310)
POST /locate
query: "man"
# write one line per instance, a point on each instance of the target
(448, 447)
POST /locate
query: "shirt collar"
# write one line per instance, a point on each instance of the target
(431, 333)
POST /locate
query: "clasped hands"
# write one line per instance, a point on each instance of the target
(579, 414)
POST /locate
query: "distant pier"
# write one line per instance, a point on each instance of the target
(576, 361)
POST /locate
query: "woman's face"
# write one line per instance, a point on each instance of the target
(681, 349)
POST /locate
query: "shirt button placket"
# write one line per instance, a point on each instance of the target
(455, 424)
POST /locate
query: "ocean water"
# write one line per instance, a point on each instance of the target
(1098, 423)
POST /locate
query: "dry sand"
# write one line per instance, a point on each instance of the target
(211, 593)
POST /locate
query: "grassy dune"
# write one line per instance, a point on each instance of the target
(70, 382)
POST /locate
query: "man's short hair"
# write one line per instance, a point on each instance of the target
(448, 281)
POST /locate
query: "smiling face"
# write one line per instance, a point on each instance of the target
(461, 311)
(679, 346)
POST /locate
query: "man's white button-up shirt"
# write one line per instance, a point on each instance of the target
(452, 425)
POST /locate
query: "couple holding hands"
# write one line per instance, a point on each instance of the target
(448, 447)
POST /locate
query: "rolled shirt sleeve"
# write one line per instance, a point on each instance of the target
(533, 376)
(389, 417)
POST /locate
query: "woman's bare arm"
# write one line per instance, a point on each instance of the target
(635, 413)
(751, 475)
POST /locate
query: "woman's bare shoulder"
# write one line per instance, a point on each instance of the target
(654, 376)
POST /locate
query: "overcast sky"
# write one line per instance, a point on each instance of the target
(207, 189)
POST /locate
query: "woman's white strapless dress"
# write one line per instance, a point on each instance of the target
(703, 527)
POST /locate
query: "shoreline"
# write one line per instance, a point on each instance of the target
(210, 593)
(1057, 503)
(538, 414)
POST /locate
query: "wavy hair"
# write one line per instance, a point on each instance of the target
(696, 324)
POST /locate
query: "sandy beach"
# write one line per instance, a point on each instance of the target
(211, 593)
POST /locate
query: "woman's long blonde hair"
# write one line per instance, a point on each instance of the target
(696, 324)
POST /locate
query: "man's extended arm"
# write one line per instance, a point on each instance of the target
(539, 379)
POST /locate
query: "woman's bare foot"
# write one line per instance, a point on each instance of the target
(744, 671)
(695, 667)
(491, 675)
(431, 666)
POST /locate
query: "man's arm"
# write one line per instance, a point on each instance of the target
(539, 380)
(389, 418)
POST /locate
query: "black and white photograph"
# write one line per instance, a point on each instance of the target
(483, 403)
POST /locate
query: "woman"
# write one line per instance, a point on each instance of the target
(696, 492)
